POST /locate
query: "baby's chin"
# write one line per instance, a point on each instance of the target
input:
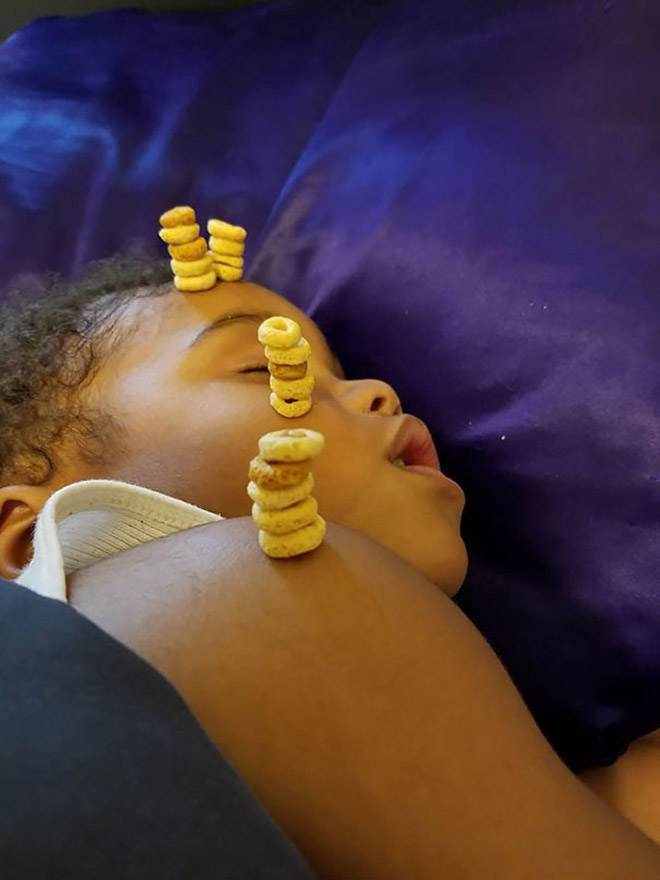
(435, 548)
(451, 576)
(445, 565)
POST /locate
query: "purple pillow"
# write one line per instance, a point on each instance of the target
(477, 221)
(107, 120)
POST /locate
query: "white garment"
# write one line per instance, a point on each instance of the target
(88, 521)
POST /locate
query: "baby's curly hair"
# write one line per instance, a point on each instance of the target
(50, 349)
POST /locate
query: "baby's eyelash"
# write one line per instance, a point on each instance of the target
(256, 368)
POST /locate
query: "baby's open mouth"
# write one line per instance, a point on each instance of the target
(413, 446)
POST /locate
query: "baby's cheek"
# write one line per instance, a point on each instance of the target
(229, 473)
(344, 485)
(341, 472)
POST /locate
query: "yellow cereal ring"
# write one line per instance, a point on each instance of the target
(227, 273)
(277, 475)
(277, 499)
(193, 250)
(181, 216)
(294, 543)
(287, 371)
(291, 444)
(290, 410)
(297, 354)
(180, 234)
(295, 389)
(196, 282)
(279, 332)
(224, 246)
(186, 268)
(220, 229)
(279, 522)
(236, 262)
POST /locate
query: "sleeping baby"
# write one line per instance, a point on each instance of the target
(371, 718)
(161, 393)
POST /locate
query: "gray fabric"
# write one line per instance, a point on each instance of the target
(104, 772)
(16, 15)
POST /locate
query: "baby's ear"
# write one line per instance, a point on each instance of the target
(19, 508)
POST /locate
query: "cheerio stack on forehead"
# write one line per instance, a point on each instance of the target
(195, 266)
(192, 267)
(280, 486)
(227, 245)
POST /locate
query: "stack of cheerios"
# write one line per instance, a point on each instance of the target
(287, 352)
(280, 486)
(227, 245)
(192, 267)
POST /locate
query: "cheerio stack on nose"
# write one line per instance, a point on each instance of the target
(227, 245)
(280, 486)
(192, 267)
(287, 352)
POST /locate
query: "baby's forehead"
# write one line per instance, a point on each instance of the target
(158, 323)
(168, 316)
(172, 312)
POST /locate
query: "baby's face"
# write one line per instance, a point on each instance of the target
(194, 401)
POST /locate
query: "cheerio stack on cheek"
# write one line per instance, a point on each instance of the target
(281, 482)
(287, 352)
(227, 245)
(191, 264)
(280, 486)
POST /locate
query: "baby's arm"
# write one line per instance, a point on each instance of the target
(362, 707)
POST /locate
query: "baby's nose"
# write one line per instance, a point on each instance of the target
(369, 397)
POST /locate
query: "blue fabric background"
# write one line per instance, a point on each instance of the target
(466, 197)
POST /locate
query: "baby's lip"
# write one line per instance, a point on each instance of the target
(413, 443)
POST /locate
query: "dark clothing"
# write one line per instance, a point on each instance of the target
(105, 773)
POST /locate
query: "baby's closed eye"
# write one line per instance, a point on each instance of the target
(256, 368)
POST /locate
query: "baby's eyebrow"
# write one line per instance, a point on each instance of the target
(226, 320)
(256, 318)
